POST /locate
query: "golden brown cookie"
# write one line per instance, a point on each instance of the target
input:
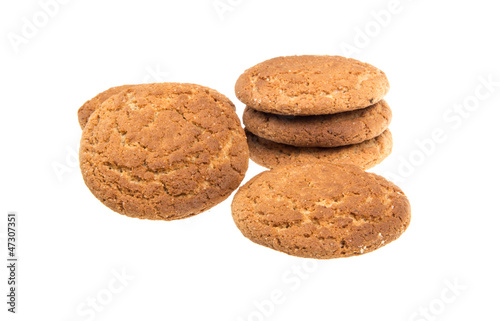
(91, 105)
(347, 128)
(320, 210)
(365, 155)
(311, 85)
(163, 151)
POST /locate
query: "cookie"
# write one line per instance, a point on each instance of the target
(347, 128)
(365, 155)
(311, 85)
(91, 105)
(320, 210)
(163, 151)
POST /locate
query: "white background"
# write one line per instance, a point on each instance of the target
(71, 247)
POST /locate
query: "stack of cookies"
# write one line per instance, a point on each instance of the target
(308, 108)
(318, 122)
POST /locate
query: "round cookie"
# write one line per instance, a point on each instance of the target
(163, 151)
(347, 128)
(320, 210)
(91, 105)
(365, 155)
(311, 85)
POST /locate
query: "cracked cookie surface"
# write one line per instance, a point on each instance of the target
(91, 105)
(365, 155)
(320, 210)
(163, 151)
(311, 85)
(347, 128)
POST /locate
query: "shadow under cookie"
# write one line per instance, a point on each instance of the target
(365, 155)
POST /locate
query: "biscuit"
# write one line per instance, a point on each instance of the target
(320, 210)
(311, 85)
(163, 151)
(347, 128)
(365, 155)
(91, 105)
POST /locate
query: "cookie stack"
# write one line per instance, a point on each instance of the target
(307, 108)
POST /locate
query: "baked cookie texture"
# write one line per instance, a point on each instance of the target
(311, 85)
(320, 210)
(347, 128)
(163, 151)
(365, 155)
(91, 105)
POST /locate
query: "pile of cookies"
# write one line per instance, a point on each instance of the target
(318, 122)
(171, 150)
(308, 108)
